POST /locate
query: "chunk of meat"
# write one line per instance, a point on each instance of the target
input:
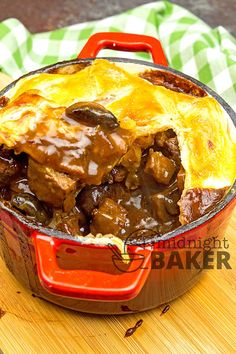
(197, 202)
(145, 141)
(164, 207)
(166, 202)
(172, 148)
(90, 197)
(73, 223)
(132, 181)
(139, 219)
(172, 206)
(118, 173)
(52, 187)
(161, 137)
(160, 167)
(159, 204)
(9, 167)
(131, 160)
(110, 217)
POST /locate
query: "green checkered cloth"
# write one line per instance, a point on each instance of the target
(191, 46)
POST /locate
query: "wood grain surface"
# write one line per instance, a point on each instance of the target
(201, 321)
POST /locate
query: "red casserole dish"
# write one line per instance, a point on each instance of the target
(66, 271)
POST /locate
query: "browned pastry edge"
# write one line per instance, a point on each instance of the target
(196, 202)
(172, 82)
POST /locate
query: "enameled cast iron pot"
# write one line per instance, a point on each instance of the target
(68, 272)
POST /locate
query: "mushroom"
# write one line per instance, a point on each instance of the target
(92, 114)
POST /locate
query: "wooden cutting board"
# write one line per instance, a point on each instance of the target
(202, 320)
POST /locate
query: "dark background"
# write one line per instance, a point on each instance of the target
(46, 15)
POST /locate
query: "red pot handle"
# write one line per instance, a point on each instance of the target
(87, 284)
(126, 42)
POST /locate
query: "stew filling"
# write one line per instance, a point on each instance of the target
(140, 192)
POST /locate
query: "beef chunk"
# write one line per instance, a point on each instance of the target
(9, 167)
(132, 181)
(90, 197)
(55, 188)
(118, 173)
(131, 160)
(172, 206)
(73, 223)
(165, 207)
(172, 148)
(161, 137)
(159, 204)
(145, 141)
(160, 167)
(110, 217)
